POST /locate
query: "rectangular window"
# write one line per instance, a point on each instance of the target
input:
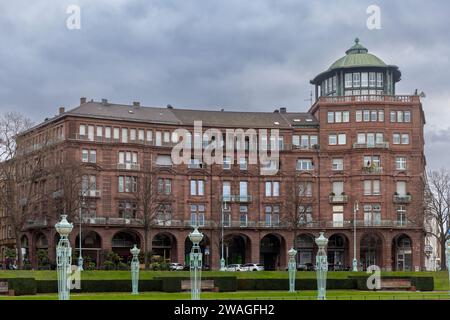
(372, 79)
(376, 187)
(401, 188)
(305, 141)
(338, 117)
(380, 115)
(399, 116)
(379, 80)
(158, 137)
(338, 164)
(108, 133)
(313, 140)
(305, 189)
(358, 117)
(373, 115)
(366, 115)
(226, 190)
(82, 130)
(116, 134)
(85, 155)
(242, 163)
(91, 133)
(396, 138)
(405, 138)
(272, 189)
(356, 80)
(296, 140)
(166, 137)
(243, 211)
(99, 131)
(149, 135)
(342, 139)
(407, 116)
(345, 116)
(304, 165)
(364, 79)
(124, 135)
(133, 134)
(141, 135)
(400, 163)
(332, 139)
(393, 116)
(348, 80)
(92, 156)
(164, 186)
(338, 188)
(330, 117)
(226, 163)
(163, 160)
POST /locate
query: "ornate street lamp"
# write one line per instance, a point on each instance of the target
(135, 270)
(355, 261)
(195, 261)
(63, 257)
(80, 256)
(447, 254)
(292, 267)
(321, 267)
(222, 258)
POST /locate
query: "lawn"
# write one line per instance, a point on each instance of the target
(249, 295)
(440, 278)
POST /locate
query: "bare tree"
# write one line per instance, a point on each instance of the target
(298, 198)
(151, 203)
(20, 171)
(437, 206)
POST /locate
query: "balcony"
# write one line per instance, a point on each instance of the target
(372, 170)
(385, 223)
(242, 198)
(402, 198)
(378, 145)
(200, 165)
(128, 166)
(91, 193)
(36, 223)
(378, 98)
(333, 199)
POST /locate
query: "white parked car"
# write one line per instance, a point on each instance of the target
(252, 267)
(234, 267)
(176, 266)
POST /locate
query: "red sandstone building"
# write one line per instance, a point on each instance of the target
(359, 142)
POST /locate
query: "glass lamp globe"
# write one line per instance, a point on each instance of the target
(135, 250)
(292, 252)
(321, 241)
(195, 236)
(64, 227)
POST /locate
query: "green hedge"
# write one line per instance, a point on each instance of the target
(51, 286)
(421, 283)
(22, 286)
(173, 284)
(300, 284)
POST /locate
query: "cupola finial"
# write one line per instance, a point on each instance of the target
(356, 40)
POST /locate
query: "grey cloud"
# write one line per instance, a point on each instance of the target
(256, 55)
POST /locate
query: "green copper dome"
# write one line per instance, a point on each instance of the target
(357, 56)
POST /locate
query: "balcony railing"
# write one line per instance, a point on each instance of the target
(385, 223)
(236, 198)
(338, 199)
(128, 166)
(379, 145)
(36, 223)
(372, 170)
(402, 198)
(91, 193)
(381, 98)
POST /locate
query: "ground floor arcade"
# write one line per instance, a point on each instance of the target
(388, 249)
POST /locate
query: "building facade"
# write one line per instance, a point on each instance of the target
(352, 165)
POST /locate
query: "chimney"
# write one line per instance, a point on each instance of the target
(282, 110)
(61, 110)
(169, 106)
(136, 104)
(82, 100)
(104, 101)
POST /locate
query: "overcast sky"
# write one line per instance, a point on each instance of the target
(233, 54)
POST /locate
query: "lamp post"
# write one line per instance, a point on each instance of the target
(292, 267)
(80, 256)
(222, 259)
(63, 257)
(321, 267)
(195, 261)
(447, 254)
(135, 270)
(355, 261)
